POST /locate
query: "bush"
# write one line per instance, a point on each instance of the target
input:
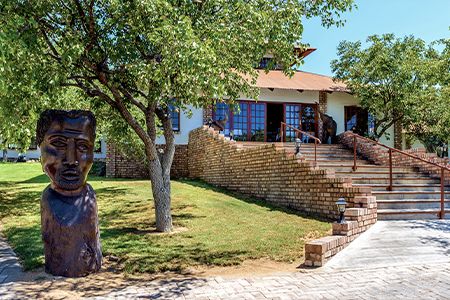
(98, 168)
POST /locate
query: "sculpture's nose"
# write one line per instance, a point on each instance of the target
(71, 158)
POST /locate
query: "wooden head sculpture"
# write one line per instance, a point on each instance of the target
(69, 221)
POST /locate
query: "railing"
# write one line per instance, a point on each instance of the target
(298, 131)
(392, 150)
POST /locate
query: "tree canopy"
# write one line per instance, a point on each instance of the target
(135, 58)
(399, 80)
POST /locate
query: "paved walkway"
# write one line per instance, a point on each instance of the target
(393, 260)
(10, 269)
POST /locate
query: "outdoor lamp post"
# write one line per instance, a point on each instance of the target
(298, 143)
(341, 209)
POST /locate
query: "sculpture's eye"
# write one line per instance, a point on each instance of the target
(83, 146)
(59, 143)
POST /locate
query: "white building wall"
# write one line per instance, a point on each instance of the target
(335, 108)
(186, 125)
(278, 95)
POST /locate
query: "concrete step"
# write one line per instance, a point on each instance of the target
(324, 159)
(311, 145)
(410, 214)
(375, 174)
(365, 168)
(411, 204)
(395, 180)
(320, 152)
(386, 195)
(318, 148)
(336, 162)
(404, 187)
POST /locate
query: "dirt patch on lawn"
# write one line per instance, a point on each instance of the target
(248, 268)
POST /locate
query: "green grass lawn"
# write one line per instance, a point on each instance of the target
(219, 228)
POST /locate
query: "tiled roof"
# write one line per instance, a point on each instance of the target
(304, 81)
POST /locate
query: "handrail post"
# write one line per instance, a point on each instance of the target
(282, 133)
(354, 153)
(442, 212)
(390, 170)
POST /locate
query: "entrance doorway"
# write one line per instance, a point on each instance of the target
(275, 116)
(356, 120)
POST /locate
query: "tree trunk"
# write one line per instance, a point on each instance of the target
(398, 128)
(161, 196)
(5, 155)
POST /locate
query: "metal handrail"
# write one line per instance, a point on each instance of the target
(355, 136)
(316, 140)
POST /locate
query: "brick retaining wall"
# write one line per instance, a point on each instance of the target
(119, 165)
(280, 178)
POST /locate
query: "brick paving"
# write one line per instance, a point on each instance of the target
(358, 272)
(430, 281)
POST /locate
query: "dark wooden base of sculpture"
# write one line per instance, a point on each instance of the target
(70, 233)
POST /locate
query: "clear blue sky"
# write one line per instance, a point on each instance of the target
(428, 20)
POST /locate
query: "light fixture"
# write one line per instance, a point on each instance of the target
(341, 209)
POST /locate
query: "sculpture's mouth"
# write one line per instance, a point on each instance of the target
(70, 174)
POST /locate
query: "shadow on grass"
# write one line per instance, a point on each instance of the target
(37, 179)
(110, 192)
(19, 202)
(253, 200)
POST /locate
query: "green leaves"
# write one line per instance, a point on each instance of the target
(144, 52)
(397, 78)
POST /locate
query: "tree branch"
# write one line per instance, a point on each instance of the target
(81, 14)
(150, 121)
(54, 53)
(133, 100)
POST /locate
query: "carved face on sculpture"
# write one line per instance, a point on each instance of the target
(66, 140)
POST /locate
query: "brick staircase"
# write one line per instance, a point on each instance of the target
(415, 195)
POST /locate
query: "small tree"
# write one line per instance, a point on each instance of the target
(139, 57)
(387, 76)
(431, 122)
(400, 80)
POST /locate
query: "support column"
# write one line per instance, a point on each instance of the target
(323, 106)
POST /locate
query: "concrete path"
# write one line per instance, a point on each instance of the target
(397, 243)
(392, 260)
(10, 269)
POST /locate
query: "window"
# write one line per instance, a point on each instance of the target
(174, 113)
(98, 146)
(240, 119)
(258, 122)
(308, 119)
(246, 124)
(292, 119)
(303, 117)
(264, 63)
